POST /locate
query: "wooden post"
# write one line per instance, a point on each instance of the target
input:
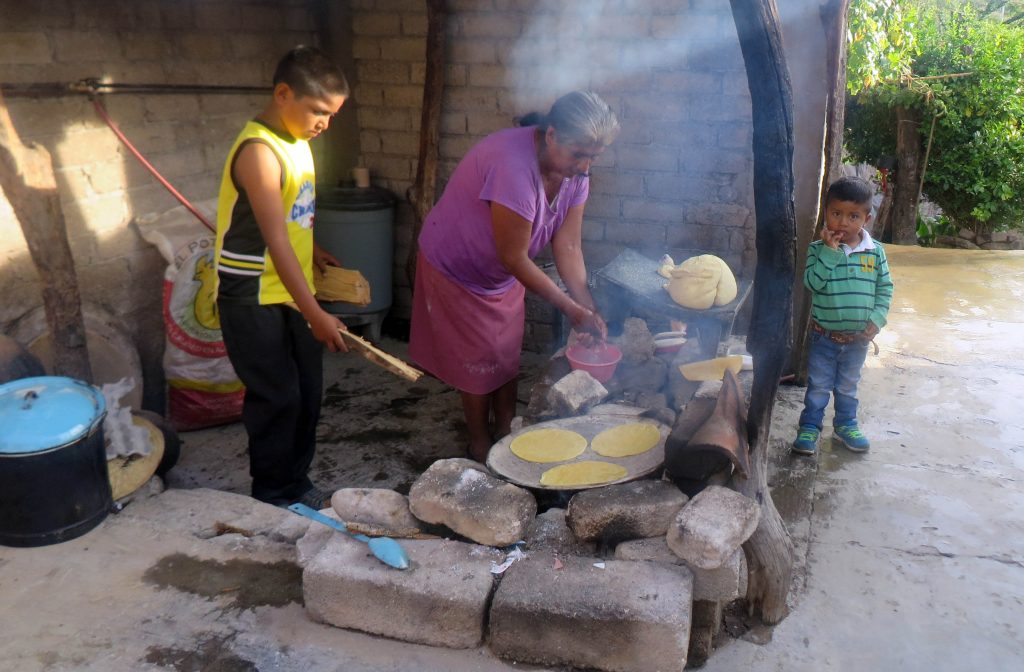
(26, 177)
(908, 171)
(424, 189)
(770, 550)
(833, 20)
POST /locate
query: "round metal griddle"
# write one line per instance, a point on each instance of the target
(504, 463)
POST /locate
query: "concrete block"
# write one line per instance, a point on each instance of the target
(626, 617)
(29, 48)
(575, 392)
(409, 49)
(631, 510)
(441, 600)
(549, 532)
(724, 583)
(463, 495)
(710, 528)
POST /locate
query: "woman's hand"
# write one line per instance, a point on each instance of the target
(590, 321)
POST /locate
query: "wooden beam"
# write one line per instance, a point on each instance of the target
(833, 20)
(27, 179)
(424, 189)
(770, 550)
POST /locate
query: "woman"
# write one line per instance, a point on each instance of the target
(512, 194)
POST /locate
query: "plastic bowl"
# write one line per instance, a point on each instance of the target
(599, 361)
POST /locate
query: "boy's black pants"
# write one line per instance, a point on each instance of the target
(281, 365)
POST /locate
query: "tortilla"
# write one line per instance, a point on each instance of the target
(548, 445)
(587, 472)
(625, 440)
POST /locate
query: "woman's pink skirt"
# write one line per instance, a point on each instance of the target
(470, 341)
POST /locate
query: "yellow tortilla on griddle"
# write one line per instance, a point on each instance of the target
(548, 445)
(625, 440)
(587, 472)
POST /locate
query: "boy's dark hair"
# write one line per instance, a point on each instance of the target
(309, 72)
(851, 189)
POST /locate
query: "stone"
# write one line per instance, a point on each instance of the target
(441, 600)
(637, 509)
(374, 506)
(955, 242)
(706, 622)
(316, 537)
(201, 511)
(649, 375)
(652, 401)
(1005, 237)
(621, 410)
(550, 532)
(626, 617)
(709, 389)
(575, 392)
(680, 390)
(724, 583)
(636, 341)
(966, 234)
(540, 407)
(463, 495)
(712, 525)
(1009, 245)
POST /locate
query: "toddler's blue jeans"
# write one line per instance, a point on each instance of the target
(832, 369)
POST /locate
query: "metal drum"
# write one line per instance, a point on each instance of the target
(53, 465)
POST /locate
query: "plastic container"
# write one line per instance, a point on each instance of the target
(357, 227)
(599, 361)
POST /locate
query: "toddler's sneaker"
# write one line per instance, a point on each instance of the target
(851, 437)
(806, 440)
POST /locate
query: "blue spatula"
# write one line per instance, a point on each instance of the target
(385, 549)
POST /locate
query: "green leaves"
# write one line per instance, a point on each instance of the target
(965, 72)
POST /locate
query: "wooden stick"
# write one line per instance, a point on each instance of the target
(380, 358)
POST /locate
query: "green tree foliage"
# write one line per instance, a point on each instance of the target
(967, 74)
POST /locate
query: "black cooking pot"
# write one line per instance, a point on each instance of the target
(53, 465)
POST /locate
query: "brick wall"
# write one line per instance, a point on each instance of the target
(186, 137)
(677, 180)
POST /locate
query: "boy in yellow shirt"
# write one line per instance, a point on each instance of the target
(265, 255)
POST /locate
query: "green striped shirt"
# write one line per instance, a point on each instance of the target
(847, 291)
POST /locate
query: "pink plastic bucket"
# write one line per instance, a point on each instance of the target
(599, 361)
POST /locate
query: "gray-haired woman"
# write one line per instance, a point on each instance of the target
(512, 194)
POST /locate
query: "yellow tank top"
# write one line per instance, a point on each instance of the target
(245, 270)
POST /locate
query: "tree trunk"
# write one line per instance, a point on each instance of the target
(424, 188)
(770, 550)
(908, 172)
(26, 177)
(833, 20)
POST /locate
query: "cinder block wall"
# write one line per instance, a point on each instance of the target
(677, 180)
(101, 186)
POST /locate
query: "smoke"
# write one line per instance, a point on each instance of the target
(611, 44)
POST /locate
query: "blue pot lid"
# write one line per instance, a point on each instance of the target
(46, 412)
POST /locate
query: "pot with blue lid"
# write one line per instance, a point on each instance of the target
(53, 465)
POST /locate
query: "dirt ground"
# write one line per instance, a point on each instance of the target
(910, 557)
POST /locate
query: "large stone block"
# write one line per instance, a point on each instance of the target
(724, 583)
(576, 392)
(440, 600)
(374, 506)
(710, 528)
(626, 617)
(549, 532)
(631, 510)
(463, 495)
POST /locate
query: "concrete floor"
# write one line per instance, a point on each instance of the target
(908, 558)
